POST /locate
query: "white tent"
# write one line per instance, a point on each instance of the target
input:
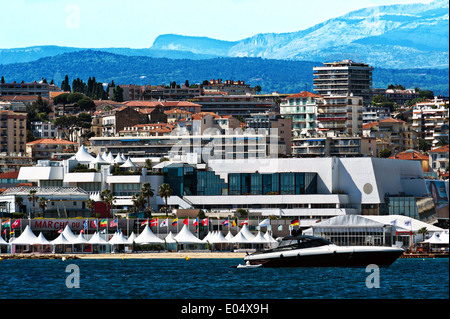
(259, 239)
(99, 160)
(2, 241)
(229, 236)
(208, 236)
(26, 238)
(170, 239)
(119, 239)
(240, 239)
(123, 157)
(67, 232)
(186, 237)
(132, 237)
(218, 238)
(109, 158)
(61, 240)
(148, 237)
(83, 155)
(96, 239)
(247, 233)
(80, 239)
(118, 159)
(41, 240)
(128, 163)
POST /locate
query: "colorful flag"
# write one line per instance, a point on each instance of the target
(154, 222)
(295, 222)
(245, 222)
(11, 232)
(103, 223)
(165, 223)
(407, 222)
(82, 231)
(145, 222)
(113, 223)
(205, 222)
(195, 222)
(60, 231)
(265, 222)
(225, 222)
(186, 221)
(16, 223)
(94, 223)
(175, 222)
(85, 225)
(6, 223)
(235, 222)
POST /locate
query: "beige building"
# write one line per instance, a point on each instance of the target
(46, 147)
(13, 132)
(396, 135)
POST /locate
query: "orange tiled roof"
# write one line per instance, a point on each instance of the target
(391, 120)
(303, 94)
(410, 155)
(9, 175)
(442, 149)
(369, 125)
(51, 141)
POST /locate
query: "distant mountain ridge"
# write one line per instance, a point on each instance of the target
(395, 36)
(284, 76)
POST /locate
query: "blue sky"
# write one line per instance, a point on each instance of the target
(136, 23)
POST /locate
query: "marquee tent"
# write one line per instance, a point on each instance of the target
(42, 245)
(170, 239)
(259, 238)
(186, 237)
(119, 239)
(2, 241)
(68, 234)
(132, 237)
(41, 240)
(218, 238)
(26, 238)
(229, 236)
(240, 239)
(96, 239)
(83, 155)
(148, 237)
(128, 164)
(80, 239)
(247, 233)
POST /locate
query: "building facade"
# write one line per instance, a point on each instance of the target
(13, 132)
(344, 78)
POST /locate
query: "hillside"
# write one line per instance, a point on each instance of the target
(272, 75)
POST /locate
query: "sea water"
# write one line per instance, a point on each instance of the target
(215, 279)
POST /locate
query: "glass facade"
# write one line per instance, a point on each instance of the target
(185, 180)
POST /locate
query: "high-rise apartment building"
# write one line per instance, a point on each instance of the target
(13, 132)
(344, 78)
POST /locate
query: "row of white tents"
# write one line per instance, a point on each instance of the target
(146, 237)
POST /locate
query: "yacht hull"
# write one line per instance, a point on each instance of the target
(344, 258)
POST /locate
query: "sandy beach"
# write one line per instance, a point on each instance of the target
(165, 255)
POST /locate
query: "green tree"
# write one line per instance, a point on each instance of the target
(32, 197)
(147, 192)
(138, 202)
(43, 205)
(385, 153)
(424, 145)
(108, 198)
(165, 191)
(117, 94)
(90, 205)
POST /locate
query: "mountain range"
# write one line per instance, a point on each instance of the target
(397, 36)
(406, 44)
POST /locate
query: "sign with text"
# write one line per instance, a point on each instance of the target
(57, 224)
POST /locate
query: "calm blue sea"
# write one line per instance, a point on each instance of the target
(214, 279)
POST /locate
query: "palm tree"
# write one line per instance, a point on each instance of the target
(147, 192)
(19, 202)
(90, 205)
(32, 197)
(43, 204)
(423, 231)
(165, 191)
(108, 198)
(138, 202)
